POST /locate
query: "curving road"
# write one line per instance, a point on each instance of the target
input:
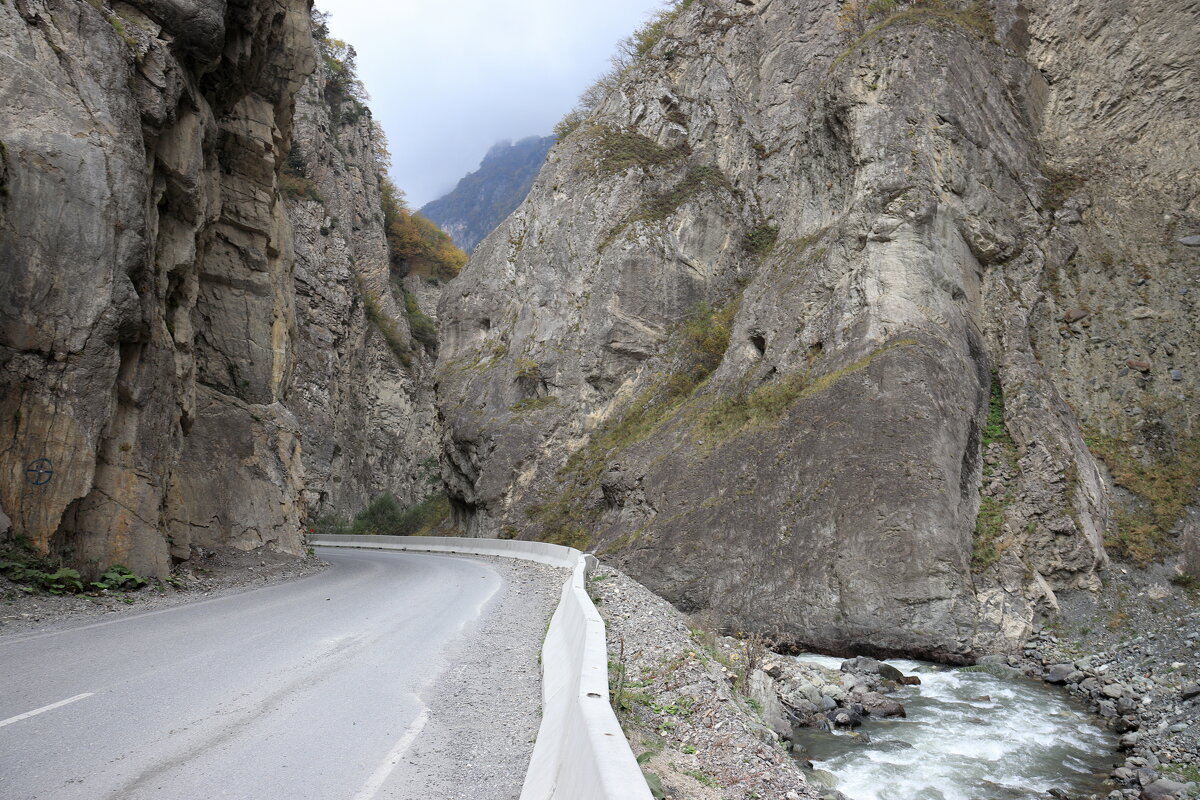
(311, 689)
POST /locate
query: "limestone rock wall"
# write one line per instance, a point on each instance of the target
(147, 309)
(876, 219)
(175, 355)
(369, 421)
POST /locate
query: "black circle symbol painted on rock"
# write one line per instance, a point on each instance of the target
(40, 472)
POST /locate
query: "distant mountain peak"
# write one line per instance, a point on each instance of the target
(485, 197)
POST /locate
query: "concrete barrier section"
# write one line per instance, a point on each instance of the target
(581, 752)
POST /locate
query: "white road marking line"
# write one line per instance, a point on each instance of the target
(384, 770)
(44, 709)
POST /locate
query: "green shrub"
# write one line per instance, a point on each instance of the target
(384, 516)
(424, 331)
(119, 577)
(994, 430)
(989, 525)
(987, 544)
(704, 340)
(293, 177)
(63, 580)
(760, 240)
(386, 326)
(21, 563)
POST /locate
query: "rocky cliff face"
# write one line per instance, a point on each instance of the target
(161, 362)
(807, 328)
(484, 198)
(368, 417)
(146, 289)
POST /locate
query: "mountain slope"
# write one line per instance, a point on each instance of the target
(790, 323)
(485, 197)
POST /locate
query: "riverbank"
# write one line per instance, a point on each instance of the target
(682, 695)
(711, 715)
(1132, 654)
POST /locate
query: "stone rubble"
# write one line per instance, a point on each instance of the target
(1133, 657)
(681, 699)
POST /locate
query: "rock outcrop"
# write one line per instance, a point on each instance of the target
(788, 299)
(147, 310)
(367, 412)
(161, 365)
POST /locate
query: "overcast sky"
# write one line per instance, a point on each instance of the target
(449, 79)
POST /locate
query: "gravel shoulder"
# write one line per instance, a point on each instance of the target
(208, 574)
(681, 698)
(485, 709)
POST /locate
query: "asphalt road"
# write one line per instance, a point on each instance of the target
(309, 689)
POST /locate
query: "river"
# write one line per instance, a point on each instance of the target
(968, 736)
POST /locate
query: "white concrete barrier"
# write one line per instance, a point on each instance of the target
(581, 752)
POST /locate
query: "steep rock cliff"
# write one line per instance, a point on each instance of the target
(146, 295)
(173, 373)
(369, 423)
(788, 300)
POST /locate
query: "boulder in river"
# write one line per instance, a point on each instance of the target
(878, 705)
(861, 664)
(844, 718)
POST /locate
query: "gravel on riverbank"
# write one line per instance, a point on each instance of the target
(1132, 654)
(209, 573)
(677, 691)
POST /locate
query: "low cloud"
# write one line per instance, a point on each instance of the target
(447, 80)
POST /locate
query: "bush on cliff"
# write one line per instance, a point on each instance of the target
(416, 246)
(385, 516)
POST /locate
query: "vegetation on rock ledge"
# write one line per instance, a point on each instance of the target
(416, 246)
(704, 338)
(629, 51)
(1164, 484)
(768, 403)
(989, 523)
(860, 20)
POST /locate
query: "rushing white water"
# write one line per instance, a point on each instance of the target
(968, 736)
